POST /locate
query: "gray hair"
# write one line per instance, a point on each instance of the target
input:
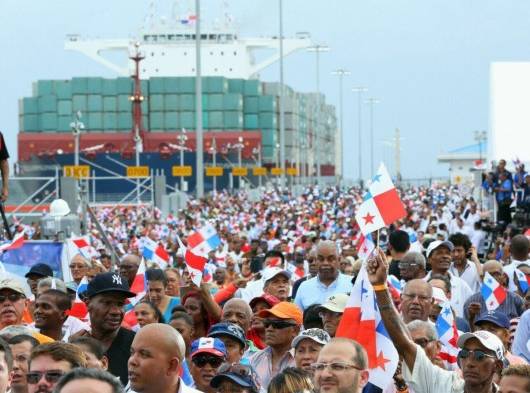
(47, 282)
(90, 373)
(415, 257)
(15, 330)
(328, 243)
(428, 327)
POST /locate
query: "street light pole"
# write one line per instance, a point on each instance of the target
(182, 147)
(341, 73)
(198, 104)
(316, 143)
(77, 126)
(213, 150)
(372, 102)
(481, 137)
(360, 90)
(281, 100)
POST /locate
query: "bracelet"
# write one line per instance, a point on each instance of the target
(380, 287)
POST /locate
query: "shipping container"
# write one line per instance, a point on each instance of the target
(124, 85)
(171, 102)
(43, 88)
(65, 108)
(30, 105)
(31, 122)
(95, 103)
(171, 121)
(252, 87)
(95, 121)
(63, 123)
(236, 86)
(267, 120)
(215, 84)
(232, 102)
(250, 122)
(48, 121)
(63, 90)
(79, 103)
(95, 85)
(215, 119)
(109, 87)
(186, 85)
(110, 121)
(48, 103)
(156, 121)
(79, 86)
(124, 103)
(250, 105)
(233, 120)
(110, 104)
(156, 85)
(171, 85)
(267, 104)
(124, 121)
(215, 102)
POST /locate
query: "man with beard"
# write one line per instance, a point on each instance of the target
(341, 367)
(157, 353)
(329, 281)
(207, 355)
(21, 347)
(49, 362)
(13, 302)
(106, 294)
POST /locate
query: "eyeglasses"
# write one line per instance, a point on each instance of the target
(478, 355)
(334, 366)
(53, 376)
(406, 265)
(201, 361)
(411, 296)
(12, 297)
(326, 313)
(423, 342)
(277, 324)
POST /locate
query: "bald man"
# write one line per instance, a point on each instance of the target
(351, 379)
(513, 306)
(416, 301)
(328, 281)
(157, 353)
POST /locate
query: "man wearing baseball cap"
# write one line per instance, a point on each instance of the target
(276, 282)
(282, 324)
(207, 355)
(331, 312)
(13, 302)
(233, 337)
(440, 257)
(235, 378)
(106, 295)
(37, 273)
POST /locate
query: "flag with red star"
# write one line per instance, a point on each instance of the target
(195, 264)
(448, 336)
(381, 205)
(361, 321)
(365, 246)
(493, 293)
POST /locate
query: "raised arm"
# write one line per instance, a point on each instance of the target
(377, 269)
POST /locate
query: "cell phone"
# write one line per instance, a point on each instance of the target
(256, 264)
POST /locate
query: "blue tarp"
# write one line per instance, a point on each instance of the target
(20, 260)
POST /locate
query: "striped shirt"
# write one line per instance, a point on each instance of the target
(513, 306)
(261, 362)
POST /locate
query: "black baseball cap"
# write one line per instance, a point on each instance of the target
(108, 282)
(40, 269)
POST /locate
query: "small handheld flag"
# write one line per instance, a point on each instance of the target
(493, 293)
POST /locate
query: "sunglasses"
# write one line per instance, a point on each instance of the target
(34, 377)
(277, 324)
(478, 355)
(12, 297)
(201, 361)
(423, 342)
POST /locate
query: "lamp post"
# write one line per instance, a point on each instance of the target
(281, 99)
(360, 90)
(213, 152)
(257, 152)
(372, 102)
(77, 126)
(341, 73)
(182, 139)
(198, 103)
(480, 137)
(317, 49)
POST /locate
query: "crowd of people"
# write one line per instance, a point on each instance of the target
(266, 316)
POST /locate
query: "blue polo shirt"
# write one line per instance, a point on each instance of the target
(313, 291)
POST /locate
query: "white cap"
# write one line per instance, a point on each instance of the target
(319, 336)
(271, 272)
(439, 243)
(489, 340)
(336, 303)
(439, 295)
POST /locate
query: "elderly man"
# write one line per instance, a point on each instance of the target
(129, 266)
(79, 268)
(49, 362)
(412, 266)
(481, 356)
(329, 281)
(157, 353)
(439, 256)
(424, 334)
(416, 301)
(342, 366)
(282, 324)
(13, 302)
(331, 312)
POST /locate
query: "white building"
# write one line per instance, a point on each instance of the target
(464, 163)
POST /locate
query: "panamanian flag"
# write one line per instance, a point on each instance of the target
(79, 308)
(17, 242)
(493, 293)
(194, 263)
(204, 240)
(155, 252)
(365, 246)
(523, 279)
(448, 336)
(381, 205)
(362, 322)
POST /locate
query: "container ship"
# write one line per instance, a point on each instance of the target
(238, 109)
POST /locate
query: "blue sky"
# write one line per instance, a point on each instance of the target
(427, 61)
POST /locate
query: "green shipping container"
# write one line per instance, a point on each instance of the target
(95, 121)
(95, 103)
(156, 85)
(124, 103)
(79, 103)
(109, 87)
(171, 121)
(215, 102)
(79, 86)
(48, 121)
(31, 123)
(186, 85)
(250, 104)
(110, 121)
(65, 108)
(187, 120)
(267, 104)
(187, 102)
(95, 85)
(48, 103)
(124, 85)
(267, 153)
(63, 123)
(215, 84)
(252, 87)
(215, 120)
(250, 122)
(156, 102)
(236, 86)
(156, 121)
(43, 88)
(232, 102)
(63, 90)
(171, 102)
(124, 121)
(268, 137)
(171, 85)
(30, 105)
(233, 120)
(267, 120)
(110, 104)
